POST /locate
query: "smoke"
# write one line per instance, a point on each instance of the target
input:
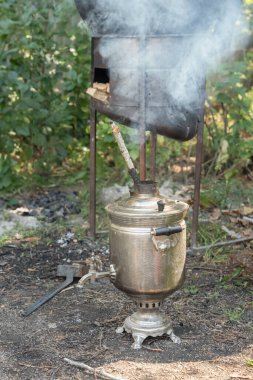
(183, 40)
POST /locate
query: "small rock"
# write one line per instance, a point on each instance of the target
(166, 189)
(52, 325)
(47, 212)
(60, 241)
(70, 235)
(64, 240)
(24, 211)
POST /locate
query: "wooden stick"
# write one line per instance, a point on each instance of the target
(122, 146)
(96, 372)
(247, 219)
(124, 151)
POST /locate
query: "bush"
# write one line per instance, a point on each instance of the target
(43, 75)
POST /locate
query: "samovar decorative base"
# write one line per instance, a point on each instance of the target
(147, 322)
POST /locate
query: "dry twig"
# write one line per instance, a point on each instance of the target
(152, 349)
(96, 372)
(36, 366)
(209, 269)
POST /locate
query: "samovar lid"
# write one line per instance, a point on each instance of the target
(144, 205)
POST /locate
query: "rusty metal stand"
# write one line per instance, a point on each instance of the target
(196, 204)
(93, 149)
(153, 145)
(197, 180)
(142, 111)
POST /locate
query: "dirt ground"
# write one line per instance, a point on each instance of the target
(213, 317)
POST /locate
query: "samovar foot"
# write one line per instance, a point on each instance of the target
(173, 337)
(120, 330)
(138, 340)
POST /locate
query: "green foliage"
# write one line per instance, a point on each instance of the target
(6, 171)
(191, 290)
(44, 69)
(229, 111)
(229, 194)
(210, 233)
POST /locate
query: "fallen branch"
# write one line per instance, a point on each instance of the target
(231, 233)
(152, 349)
(218, 245)
(36, 366)
(205, 268)
(96, 372)
(247, 219)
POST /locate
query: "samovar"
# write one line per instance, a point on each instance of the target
(147, 256)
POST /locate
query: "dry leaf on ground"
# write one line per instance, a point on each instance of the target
(216, 214)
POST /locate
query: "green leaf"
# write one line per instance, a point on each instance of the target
(23, 130)
(61, 151)
(39, 139)
(6, 26)
(5, 182)
(12, 76)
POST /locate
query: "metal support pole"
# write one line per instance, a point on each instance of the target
(197, 179)
(93, 128)
(142, 156)
(153, 144)
(142, 109)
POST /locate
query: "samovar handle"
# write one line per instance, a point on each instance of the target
(162, 246)
(167, 231)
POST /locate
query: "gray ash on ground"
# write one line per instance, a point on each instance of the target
(211, 314)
